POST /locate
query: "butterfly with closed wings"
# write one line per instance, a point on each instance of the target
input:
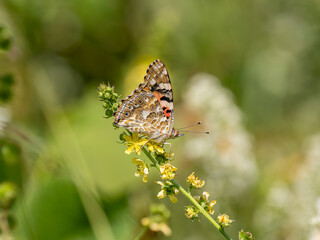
(149, 109)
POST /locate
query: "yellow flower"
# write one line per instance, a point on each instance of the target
(161, 194)
(210, 207)
(154, 146)
(168, 189)
(161, 227)
(190, 212)
(142, 169)
(194, 181)
(205, 196)
(204, 202)
(167, 171)
(224, 220)
(156, 226)
(173, 198)
(134, 143)
(157, 221)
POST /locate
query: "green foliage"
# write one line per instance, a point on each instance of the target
(8, 193)
(5, 40)
(10, 152)
(6, 85)
(55, 197)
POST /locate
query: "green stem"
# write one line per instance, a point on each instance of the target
(153, 160)
(4, 225)
(189, 196)
(141, 233)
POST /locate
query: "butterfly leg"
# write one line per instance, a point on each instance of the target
(169, 149)
(144, 144)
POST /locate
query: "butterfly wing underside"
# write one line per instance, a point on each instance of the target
(149, 109)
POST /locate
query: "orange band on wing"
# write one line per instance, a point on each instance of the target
(167, 114)
(165, 108)
(158, 96)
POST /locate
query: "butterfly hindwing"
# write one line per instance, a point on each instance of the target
(142, 113)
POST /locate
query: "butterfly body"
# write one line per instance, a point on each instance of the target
(149, 109)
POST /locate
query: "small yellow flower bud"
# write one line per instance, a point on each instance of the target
(173, 198)
(161, 194)
(210, 207)
(212, 203)
(194, 181)
(142, 169)
(224, 220)
(189, 212)
(160, 183)
(145, 221)
(167, 171)
(176, 191)
(205, 196)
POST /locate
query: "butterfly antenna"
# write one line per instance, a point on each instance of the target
(198, 123)
(195, 132)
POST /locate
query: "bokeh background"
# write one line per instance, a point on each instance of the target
(249, 70)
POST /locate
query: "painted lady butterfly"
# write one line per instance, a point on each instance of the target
(149, 109)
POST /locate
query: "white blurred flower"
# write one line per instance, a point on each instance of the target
(315, 222)
(273, 215)
(226, 154)
(294, 209)
(307, 188)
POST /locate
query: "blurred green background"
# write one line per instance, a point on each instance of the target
(260, 98)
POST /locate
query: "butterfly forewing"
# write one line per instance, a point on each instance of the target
(157, 81)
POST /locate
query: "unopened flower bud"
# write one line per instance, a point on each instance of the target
(109, 90)
(115, 106)
(224, 220)
(107, 95)
(115, 96)
(108, 113)
(100, 94)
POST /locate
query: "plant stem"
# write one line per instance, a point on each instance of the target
(189, 196)
(141, 233)
(153, 160)
(4, 225)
